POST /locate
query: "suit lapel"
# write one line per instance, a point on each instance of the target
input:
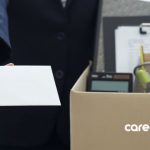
(68, 3)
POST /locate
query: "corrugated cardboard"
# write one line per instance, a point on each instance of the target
(98, 119)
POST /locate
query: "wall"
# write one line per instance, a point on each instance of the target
(120, 8)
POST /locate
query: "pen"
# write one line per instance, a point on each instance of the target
(142, 56)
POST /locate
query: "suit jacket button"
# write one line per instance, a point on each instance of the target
(59, 74)
(61, 36)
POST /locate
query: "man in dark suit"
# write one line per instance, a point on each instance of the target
(51, 32)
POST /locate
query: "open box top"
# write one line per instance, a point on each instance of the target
(99, 120)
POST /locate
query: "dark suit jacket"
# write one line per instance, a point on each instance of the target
(42, 32)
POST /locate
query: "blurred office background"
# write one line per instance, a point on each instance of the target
(120, 8)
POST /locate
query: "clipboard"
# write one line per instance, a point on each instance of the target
(109, 26)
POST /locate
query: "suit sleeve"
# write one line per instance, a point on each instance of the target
(4, 35)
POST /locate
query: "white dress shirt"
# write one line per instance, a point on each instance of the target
(64, 3)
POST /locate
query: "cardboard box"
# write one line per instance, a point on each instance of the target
(108, 121)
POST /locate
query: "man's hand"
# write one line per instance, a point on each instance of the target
(10, 64)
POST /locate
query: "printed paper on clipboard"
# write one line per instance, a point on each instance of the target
(128, 41)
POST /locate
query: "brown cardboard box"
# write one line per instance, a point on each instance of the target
(98, 120)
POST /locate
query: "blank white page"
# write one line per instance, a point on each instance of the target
(27, 86)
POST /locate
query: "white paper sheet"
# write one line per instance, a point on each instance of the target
(27, 85)
(128, 41)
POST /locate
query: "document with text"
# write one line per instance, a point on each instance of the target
(128, 42)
